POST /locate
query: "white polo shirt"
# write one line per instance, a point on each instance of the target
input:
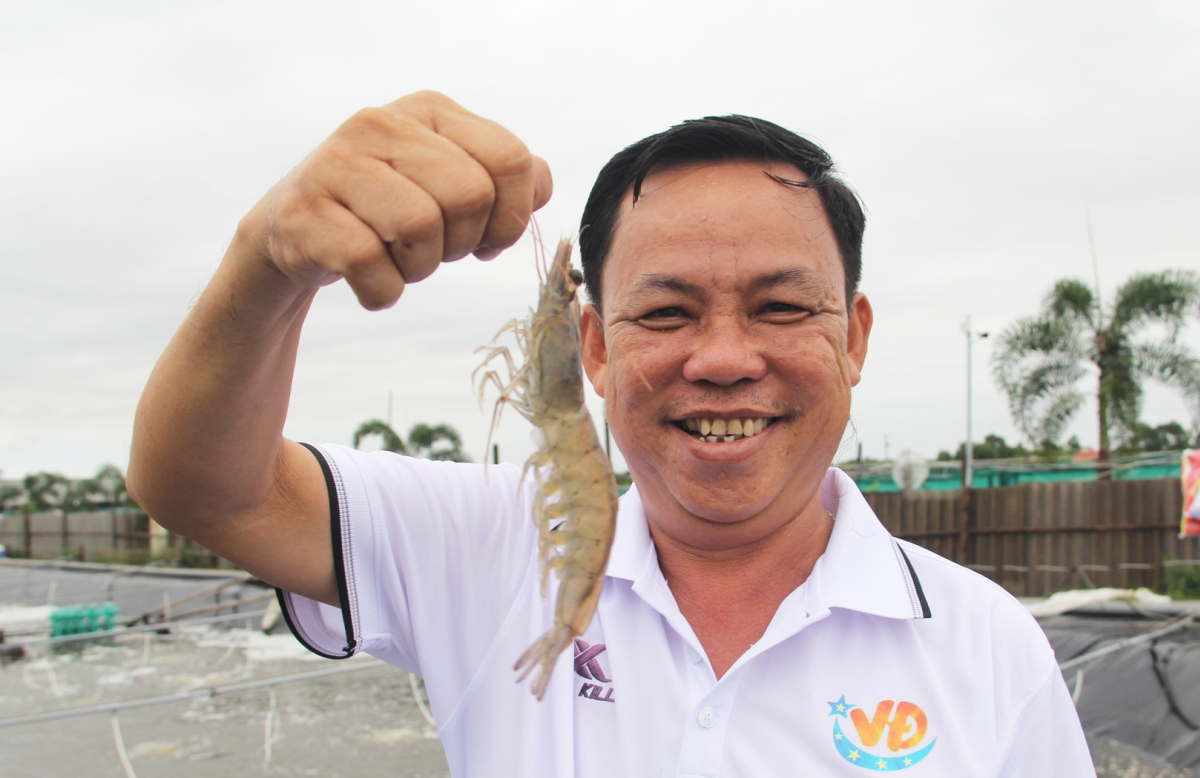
(888, 658)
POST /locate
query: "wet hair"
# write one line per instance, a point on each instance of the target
(719, 139)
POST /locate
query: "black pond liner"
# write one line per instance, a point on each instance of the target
(1140, 702)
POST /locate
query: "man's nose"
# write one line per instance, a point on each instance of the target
(724, 354)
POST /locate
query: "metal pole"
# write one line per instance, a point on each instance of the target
(964, 543)
(968, 459)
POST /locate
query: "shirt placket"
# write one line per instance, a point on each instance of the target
(710, 703)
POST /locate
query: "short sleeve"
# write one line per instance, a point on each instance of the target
(1047, 738)
(430, 557)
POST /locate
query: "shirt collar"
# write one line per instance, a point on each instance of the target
(863, 568)
(632, 548)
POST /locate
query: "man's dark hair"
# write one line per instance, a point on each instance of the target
(719, 139)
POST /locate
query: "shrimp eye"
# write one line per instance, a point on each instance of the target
(576, 276)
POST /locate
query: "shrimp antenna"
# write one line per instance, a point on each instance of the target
(539, 248)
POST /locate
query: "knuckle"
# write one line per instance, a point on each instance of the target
(420, 223)
(359, 253)
(476, 195)
(293, 204)
(334, 154)
(509, 157)
(368, 119)
(429, 97)
(502, 235)
(425, 103)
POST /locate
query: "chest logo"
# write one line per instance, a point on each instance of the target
(894, 734)
(587, 666)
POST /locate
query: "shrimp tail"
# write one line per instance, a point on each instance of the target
(543, 654)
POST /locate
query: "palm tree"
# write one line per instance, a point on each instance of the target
(10, 496)
(391, 441)
(108, 486)
(1042, 359)
(47, 491)
(440, 441)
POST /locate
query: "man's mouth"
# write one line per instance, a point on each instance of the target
(715, 430)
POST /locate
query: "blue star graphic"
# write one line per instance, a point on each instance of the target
(840, 707)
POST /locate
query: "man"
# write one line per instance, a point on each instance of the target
(756, 619)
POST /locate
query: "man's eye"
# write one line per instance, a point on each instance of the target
(784, 310)
(664, 318)
(669, 312)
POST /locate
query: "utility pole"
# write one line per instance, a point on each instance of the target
(968, 473)
(969, 447)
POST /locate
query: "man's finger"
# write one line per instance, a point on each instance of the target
(343, 244)
(517, 178)
(543, 183)
(543, 188)
(406, 217)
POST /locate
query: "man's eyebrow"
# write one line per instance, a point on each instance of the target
(661, 282)
(807, 280)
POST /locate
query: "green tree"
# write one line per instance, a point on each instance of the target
(1164, 437)
(10, 496)
(440, 441)
(391, 441)
(108, 487)
(1042, 360)
(47, 491)
(993, 447)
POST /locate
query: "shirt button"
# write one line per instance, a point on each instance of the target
(707, 718)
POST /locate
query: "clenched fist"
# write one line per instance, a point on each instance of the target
(395, 191)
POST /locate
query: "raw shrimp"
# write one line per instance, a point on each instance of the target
(575, 485)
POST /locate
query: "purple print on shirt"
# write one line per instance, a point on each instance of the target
(587, 665)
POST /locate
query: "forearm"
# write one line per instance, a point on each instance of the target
(208, 430)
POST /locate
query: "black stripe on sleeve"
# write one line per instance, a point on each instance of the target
(285, 608)
(925, 612)
(339, 563)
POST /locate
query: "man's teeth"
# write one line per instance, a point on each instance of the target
(725, 430)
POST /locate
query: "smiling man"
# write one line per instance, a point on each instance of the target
(755, 618)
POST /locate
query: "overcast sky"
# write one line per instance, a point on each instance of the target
(133, 136)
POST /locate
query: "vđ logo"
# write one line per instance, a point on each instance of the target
(587, 665)
(905, 724)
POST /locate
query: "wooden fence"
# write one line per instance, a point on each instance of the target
(103, 536)
(1038, 538)
(79, 535)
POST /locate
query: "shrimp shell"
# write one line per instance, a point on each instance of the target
(575, 485)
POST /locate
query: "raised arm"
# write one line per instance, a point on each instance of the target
(382, 202)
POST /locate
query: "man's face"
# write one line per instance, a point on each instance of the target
(724, 306)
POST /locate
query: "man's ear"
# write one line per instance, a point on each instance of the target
(859, 332)
(595, 349)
